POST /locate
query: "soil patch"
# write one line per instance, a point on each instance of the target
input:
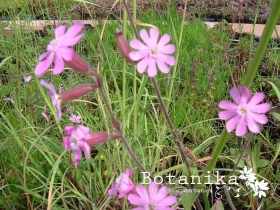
(215, 10)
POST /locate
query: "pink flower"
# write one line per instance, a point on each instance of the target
(45, 116)
(75, 118)
(246, 111)
(152, 53)
(11, 99)
(27, 79)
(59, 49)
(154, 198)
(54, 96)
(76, 140)
(123, 184)
(180, 7)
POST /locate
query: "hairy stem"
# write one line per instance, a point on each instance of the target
(242, 152)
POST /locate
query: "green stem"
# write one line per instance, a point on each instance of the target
(135, 114)
(251, 73)
(218, 149)
(124, 74)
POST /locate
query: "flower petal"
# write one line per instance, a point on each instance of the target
(168, 49)
(78, 156)
(137, 55)
(168, 201)
(260, 118)
(152, 69)
(138, 45)
(170, 60)
(235, 95)
(43, 66)
(162, 67)
(162, 193)
(66, 53)
(74, 30)
(59, 31)
(256, 99)
(69, 42)
(163, 41)
(241, 127)
(154, 33)
(225, 104)
(252, 125)
(44, 56)
(145, 37)
(59, 65)
(245, 94)
(113, 190)
(85, 147)
(226, 115)
(231, 124)
(143, 193)
(261, 108)
(136, 199)
(142, 65)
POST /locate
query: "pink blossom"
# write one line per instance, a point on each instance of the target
(54, 96)
(75, 118)
(11, 99)
(180, 7)
(45, 116)
(27, 79)
(59, 49)
(152, 53)
(123, 184)
(155, 197)
(245, 111)
(76, 140)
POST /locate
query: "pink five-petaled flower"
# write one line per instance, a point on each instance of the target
(123, 184)
(76, 140)
(152, 53)
(54, 96)
(155, 198)
(246, 111)
(59, 49)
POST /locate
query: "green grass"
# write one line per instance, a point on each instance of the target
(32, 158)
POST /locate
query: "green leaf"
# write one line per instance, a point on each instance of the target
(188, 200)
(262, 163)
(276, 89)
(276, 115)
(4, 61)
(221, 206)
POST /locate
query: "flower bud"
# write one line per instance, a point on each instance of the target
(123, 46)
(76, 92)
(77, 63)
(97, 138)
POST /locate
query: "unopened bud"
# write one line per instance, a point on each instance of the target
(123, 46)
(78, 64)
(97, 138)
(77, 92)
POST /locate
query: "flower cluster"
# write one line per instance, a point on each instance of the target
(79, 139)
(155, 197)
(251, 181)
